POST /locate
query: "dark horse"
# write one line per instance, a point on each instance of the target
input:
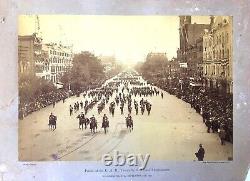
(129, 123)
(105, 125)
(93, 125)
(52, 122)
(83, 121)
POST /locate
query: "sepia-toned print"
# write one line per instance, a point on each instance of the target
(95, 88)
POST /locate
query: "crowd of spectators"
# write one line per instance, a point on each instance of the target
(41, 101)
(215, 108)
(51, 98)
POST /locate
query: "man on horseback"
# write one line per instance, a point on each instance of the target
(129, 122)
(93, 124)
(81, 118)
(105, 123)
(148, 107)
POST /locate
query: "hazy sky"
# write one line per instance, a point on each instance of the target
(129, 38)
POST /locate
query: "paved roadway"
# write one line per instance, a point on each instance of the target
(172, 131)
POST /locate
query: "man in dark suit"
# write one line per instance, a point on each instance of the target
(200, 154)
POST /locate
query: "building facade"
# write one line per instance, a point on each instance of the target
(217, 55)
(58, 59)
(29, 54)
(47, 61)
(191, 45)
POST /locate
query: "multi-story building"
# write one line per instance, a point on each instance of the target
(58, 60)
(217, 54)
(190, 51)
(194, 56)
(48, 61)
(29, 54)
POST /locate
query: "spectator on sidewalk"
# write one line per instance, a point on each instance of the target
(200, 154)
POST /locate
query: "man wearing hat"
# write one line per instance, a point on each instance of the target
(200, 154)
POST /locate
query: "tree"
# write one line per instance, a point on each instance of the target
(87, 69)
(31, 87)
(155, 64)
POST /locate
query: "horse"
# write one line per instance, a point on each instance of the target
(129, 123)
(86, 123)
(148, 107)
(105, 125)
(93, 126)
(83, 121)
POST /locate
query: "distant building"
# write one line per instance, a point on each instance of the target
(156, 56)
(217, 54)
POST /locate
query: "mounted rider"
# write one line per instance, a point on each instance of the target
(82, 120)
(129, 121)
(105, 122)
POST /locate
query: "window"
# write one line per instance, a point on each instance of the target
(53, 69)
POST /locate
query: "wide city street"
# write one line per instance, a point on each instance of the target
(172, 131)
